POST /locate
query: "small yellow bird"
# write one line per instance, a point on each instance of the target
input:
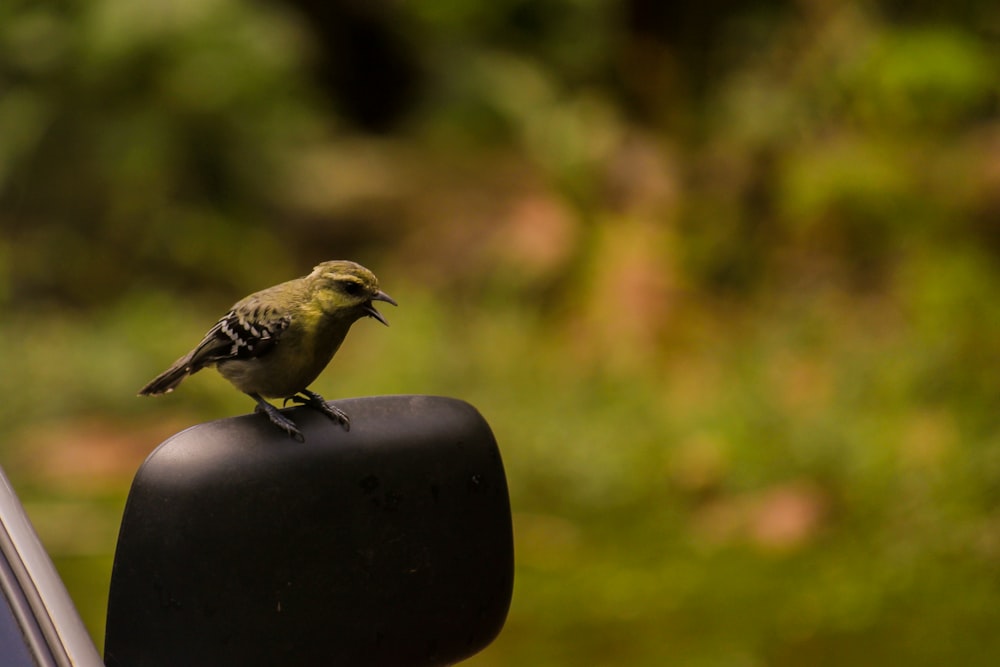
(275, 342)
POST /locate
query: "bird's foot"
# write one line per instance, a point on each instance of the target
(278, 419)
(317, 402)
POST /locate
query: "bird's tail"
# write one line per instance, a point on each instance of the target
(166, 381)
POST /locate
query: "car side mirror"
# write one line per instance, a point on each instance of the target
(390, 544)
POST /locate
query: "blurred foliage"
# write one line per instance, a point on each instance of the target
(724, 278)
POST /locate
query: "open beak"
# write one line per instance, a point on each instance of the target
(370, 308)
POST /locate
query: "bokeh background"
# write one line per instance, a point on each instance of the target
(723, 276)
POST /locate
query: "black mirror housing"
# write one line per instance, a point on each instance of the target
(390, 544)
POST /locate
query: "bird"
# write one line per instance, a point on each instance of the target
(274, 343)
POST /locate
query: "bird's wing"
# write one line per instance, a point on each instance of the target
(245, 332)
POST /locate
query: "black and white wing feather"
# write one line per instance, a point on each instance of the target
(241, 334)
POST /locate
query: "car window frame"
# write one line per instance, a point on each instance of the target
(52, 629)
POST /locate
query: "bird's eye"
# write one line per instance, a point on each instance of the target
(353, 288)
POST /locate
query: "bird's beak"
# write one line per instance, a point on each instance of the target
(370, 308)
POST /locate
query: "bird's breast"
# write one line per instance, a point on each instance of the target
(290, 366)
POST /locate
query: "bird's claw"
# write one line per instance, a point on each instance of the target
(317, 402)
(279, 420)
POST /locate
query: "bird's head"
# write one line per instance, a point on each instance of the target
(347, 287)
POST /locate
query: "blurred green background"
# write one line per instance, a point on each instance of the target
(723, 276)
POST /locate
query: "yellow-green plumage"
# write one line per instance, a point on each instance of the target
(275, 342)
